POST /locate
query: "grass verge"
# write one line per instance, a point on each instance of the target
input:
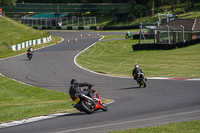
(19, 101)
(182, 127)
(117, 58)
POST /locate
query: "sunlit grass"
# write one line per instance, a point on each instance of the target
(117, 58)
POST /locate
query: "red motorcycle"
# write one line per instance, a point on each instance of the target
(88, 104)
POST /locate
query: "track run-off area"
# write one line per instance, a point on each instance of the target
(163, 101)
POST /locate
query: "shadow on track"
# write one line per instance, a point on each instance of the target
(129, 88)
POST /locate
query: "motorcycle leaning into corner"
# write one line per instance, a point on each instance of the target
(139, 76)
(87, 104)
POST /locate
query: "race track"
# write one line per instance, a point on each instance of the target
(162, 102)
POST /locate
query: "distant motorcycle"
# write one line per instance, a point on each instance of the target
(128, 35)
(88, 104)
(141, 80)
(29, 55)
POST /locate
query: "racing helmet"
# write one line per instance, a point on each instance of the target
(136, 65)
(73, 81)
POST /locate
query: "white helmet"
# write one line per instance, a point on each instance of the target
(136, 65)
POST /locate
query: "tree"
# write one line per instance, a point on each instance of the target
(181, 3)
(7, 2)
(172, 3)
(152, 9)
(139, 10)
(162, 6)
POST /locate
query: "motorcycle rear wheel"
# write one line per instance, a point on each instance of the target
(143, 83)
(89, 109)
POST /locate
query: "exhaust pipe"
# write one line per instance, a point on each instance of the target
(88, 98)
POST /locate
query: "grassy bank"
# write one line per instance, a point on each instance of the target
(13, 32)
(117, 58)
(5, 51)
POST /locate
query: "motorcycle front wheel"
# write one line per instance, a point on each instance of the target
(86, 106)
(104, 106)
(29, 56)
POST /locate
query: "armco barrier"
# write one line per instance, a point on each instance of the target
(155, 46)
(30, 43)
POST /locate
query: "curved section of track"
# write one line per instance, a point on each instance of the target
(162, 102)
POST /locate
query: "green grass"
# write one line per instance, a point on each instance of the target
(106, 37)
(117, 58)
(182, 127)
(13, 32)
(19, 101)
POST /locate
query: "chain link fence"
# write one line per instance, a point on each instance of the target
(78, 21)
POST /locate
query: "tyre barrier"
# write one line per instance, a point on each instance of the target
(156, 46)
(147, 36)
(30, 43)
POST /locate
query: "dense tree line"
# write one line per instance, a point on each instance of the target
(138, 8)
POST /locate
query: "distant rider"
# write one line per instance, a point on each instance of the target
(76, 88)
(128, 33)
(30, 50)
(136, 71)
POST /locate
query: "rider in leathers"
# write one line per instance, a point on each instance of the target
(30, 50)
(136, 71)
(76, 88)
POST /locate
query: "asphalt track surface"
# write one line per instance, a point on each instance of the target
(161, 102)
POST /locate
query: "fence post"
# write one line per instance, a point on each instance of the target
(183, 33)
(168, 34)
(140, 32)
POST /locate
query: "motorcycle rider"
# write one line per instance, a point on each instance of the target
(136, 71)
(128, 33)
(30, 50)
(76, 88)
